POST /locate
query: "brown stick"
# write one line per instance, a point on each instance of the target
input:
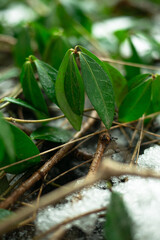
(103, 141)
(45, 168)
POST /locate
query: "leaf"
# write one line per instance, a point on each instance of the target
(155, 93)
(136, 102)
(52, 134)
(56, 49)
(23, 46)
(118, 223)
(135, 81)
(73, 118)
(119, 83)
(98, 87)
(74, 86)
(47, 76)
(6, 140)
(42, 35)
(3, 184)
(21, 103)
(31, 89)
(24, 148)
(135, 58)
(4, 213)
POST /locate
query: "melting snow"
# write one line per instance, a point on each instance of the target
(142, 198)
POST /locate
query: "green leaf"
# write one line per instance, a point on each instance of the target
(4, 213)
(119, 83)
(3, 184)
(42, 35)
(56, 49)
(74, 86)
(24, 148)
(98, 87)
(118, 223)
(155, 94)
(136, 102)
(135, 81)
(47, 76)
(52, 134)
(73, 118)
(22, 48)
(135, 58)
(6, 140)
(31, 89)
(21, 103)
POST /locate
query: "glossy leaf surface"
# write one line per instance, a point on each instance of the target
(136, 102)
(118, 223)
(52, 134)
(24, 148)
(98, 87)
(74, 86)
(47, 76)
(31, 89)
(6, 140)
(73, 118)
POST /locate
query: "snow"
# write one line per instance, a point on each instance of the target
(141, 197)
(91, 198)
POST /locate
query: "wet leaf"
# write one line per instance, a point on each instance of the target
(53, 134)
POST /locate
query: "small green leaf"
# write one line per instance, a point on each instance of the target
(31, 89)
(56, 49)
(24, 148)
(74, 86)
(4, 213)
(136, 102)
(47, 76)
(6, 140)
(22, 48)
(52, 134)
(135, 81)
(119, 83)
(98, 87)
(73, 118)
(21, 103)
(118, 222)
